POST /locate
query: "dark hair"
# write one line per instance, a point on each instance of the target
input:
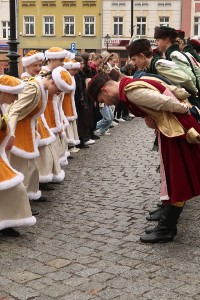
(85, 56)
(130, 67)
(114, 75)
(163, 32)
(78, 58)
(96, 83)
(180, 34)
(139, 46)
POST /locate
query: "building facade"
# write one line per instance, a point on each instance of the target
(71, 24)
(190, 18)
(93, 25)
(146, 15)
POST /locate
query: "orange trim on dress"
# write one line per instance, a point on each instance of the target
(24, 136)
(6, 172)
(67, 105)
(44, 133)
(49, 113)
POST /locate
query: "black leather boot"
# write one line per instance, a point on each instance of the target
(46, 187)
(156, 215)
(34, 212)
(165, 231)
(9, 232)
(153, 211)
(152, 228)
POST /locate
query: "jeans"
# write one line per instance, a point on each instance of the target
(104, 124)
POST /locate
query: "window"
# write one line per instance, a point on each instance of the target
(89, 25)
(29, 25)
(5, 29)
(69, 25)
(164, 21)
(118, 25)
(164, 4)
(141, 25)
(48, 27)
(196, 26)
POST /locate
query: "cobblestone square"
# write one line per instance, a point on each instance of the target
(85, 245)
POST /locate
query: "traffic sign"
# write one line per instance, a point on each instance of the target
(73, 47)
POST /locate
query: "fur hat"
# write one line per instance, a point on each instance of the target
(163, 32)
(180, 34)
(67, 63)
(56, 53)
(195, 44)
(10, 84)
(96, 83)
(71, 64)
(139, 46)
(63, 79)
(70, 55)
(31, 57)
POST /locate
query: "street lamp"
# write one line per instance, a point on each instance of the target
(12, 54)
(107, 40)
(132, 10)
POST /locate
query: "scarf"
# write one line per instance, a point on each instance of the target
(171, 49)
(152, 67)
(133, 107)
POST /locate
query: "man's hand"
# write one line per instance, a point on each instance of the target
(186, 108)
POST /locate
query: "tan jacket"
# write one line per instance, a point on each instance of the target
(26, 103)
(160, 107)
(23, 114)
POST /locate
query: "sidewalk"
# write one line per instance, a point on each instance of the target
(85, 245)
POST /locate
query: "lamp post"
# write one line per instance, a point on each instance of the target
(12, 54)
(132, 3)
(107, 40)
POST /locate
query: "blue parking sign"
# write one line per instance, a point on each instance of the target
(73, 47)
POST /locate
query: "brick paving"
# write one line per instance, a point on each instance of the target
(86, 245)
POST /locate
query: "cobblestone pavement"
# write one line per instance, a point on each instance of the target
(86, 245)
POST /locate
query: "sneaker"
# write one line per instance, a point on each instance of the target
(131, 115)
(114, 123)
(74, 150)
(90, 142)
(105, 133)
(97, 132)
(120, 120)
(127, 118)
(115, 120)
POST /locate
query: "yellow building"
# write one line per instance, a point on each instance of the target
(71, 24)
